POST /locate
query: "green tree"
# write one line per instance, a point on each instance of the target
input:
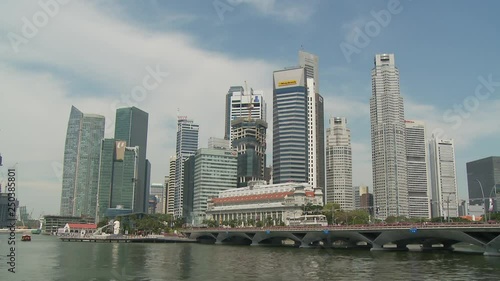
(329, 210)
(269, 221)
(310, 208)
(250, 222)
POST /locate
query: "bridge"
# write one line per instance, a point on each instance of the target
(376, 237)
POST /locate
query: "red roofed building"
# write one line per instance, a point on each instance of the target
(256, 202)
(80, 228)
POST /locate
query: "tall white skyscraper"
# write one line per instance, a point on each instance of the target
(315, 119)
(171, 186)
(187, 145)
(312, 136)
(443, 178)
(339, 164)
(418, 179)
(388, 139)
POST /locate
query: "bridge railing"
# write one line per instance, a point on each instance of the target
(348, 227)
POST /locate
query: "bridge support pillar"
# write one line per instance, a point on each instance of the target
(491, 251)
(305, 245)
(327, 243)
(377, 247)
(402, 247)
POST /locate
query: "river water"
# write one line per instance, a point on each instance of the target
(47, 258)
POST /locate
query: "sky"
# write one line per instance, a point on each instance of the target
(181, 57)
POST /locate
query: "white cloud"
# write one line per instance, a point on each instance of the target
(362, 164)
(281, 10)
(89, 45)
(473, 125)
(343, 106)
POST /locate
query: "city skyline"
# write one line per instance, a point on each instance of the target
(101, 77)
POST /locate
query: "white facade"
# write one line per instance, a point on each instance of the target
(244, 105)
(186, 146)
(315, 119)
(171, 186)
(280, 202)
(390, 186)
(219, 143)
(339, 187)
(310, 63)
(215, 170)
(312, 136)
(418, 179)
(443, 178)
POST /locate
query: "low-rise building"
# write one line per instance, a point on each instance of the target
(80, 228)
(259, 202)
(51, 224)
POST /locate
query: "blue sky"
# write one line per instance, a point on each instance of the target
(91, 54)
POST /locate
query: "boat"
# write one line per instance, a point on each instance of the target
(26, 238)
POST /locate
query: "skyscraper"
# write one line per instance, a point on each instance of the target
(443, 178)
(187, 145)
(171, 186)
(315, 119)
(388, 139)
(81, 163)
(214, 171)
(290, 126)
(339, 165)
(418, 179)
(248, 138)
(311, 64)
(118, 176)
(188, 189)
(356, 194)
(132, 127)
(243, 104)
(483, 182)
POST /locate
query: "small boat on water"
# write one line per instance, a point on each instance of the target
(26, 238)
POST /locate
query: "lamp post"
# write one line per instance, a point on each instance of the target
(484, 199)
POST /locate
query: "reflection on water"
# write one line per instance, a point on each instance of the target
(46, 258)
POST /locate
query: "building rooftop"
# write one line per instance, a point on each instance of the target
(82, 225)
